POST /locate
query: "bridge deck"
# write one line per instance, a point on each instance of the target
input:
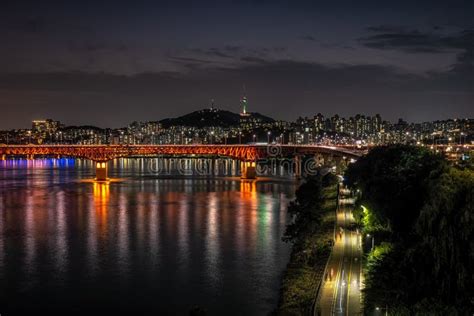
(248, 152)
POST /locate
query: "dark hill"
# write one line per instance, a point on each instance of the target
(210, 117)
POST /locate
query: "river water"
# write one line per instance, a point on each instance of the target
(141, 243)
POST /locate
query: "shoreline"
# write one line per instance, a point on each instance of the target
(308, 259)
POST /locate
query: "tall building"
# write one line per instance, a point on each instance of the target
(318, 122)
(45, 126)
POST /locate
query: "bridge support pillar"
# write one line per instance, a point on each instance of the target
(298, 172)
(248, 170)
(101, 171)
(4, 157)
(212, 167)
(30, 157)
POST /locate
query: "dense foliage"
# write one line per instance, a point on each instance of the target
(305, 209)
(393, 181)
(310, 232)
(421, 211)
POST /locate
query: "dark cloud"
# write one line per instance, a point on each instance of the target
(218, 53)
(283, 51)
(308, 38)
(313, 87)
(189, 63)
(180, 59)
(226, 56)
(411, 42)
(319, 73)
(418, 42)
(280, 49)
(215, 52)
(233, 48)
(415, 41)
(251, 59)
(387, 29)
(314, 76)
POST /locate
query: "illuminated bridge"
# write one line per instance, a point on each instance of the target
(248, 155)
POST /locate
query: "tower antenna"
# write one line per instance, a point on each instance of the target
(212, 104)
(243, 102)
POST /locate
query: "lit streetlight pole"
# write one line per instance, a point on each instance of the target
(268, 136)
(373, 241)
(382, 308)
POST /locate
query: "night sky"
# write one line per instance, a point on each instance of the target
(108, 63)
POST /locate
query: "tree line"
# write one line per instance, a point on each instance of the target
(419, 210)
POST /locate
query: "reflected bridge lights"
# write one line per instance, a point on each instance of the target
(101, 202)
(248, 190)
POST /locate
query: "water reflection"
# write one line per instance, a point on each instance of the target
(30, 240)
(123, 246)
(140, 244)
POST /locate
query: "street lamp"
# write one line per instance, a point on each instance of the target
(268, 136)
(254, 138)
(373, 241)
(382, 308)
(240, 137)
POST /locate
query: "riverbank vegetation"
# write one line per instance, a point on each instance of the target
(419, 210)
(311, 233)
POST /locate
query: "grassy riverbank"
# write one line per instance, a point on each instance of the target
(311, 233)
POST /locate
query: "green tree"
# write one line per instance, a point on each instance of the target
(393, 181)
(446, 229)
(428, 269)
(385, 284)
(305, 209)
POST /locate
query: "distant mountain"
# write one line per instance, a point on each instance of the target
(210, 117)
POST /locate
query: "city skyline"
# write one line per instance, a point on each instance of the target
(27, 122)
(215, 126)
(102, 64)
